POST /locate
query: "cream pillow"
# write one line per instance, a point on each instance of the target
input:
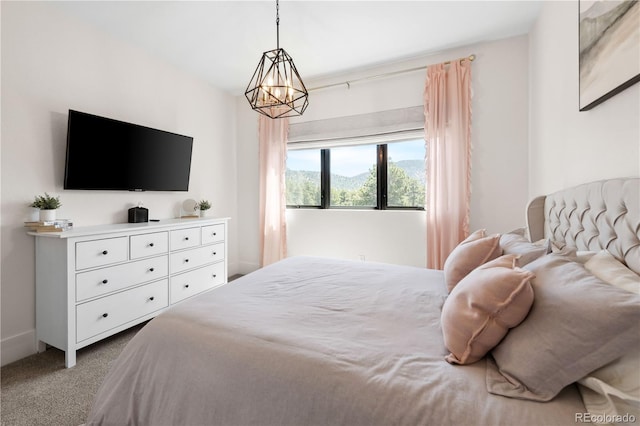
(483, 307)
(476, 249)
(583, 256)
(609, 269)
(615, 388)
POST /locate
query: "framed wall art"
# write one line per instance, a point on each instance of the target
(609, 32)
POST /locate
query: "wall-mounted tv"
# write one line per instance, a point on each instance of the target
(108, 154)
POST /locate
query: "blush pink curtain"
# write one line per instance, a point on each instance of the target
(272, 135)
(447, 109)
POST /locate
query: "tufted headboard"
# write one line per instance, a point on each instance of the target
(593, 216)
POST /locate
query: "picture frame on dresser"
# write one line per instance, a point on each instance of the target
(93, 282)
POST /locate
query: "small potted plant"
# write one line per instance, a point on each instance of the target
(47, 205)
(34, 210)
(204, 205)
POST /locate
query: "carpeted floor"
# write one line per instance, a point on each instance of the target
(39, 390)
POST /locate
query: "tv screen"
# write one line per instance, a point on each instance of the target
(114, 155)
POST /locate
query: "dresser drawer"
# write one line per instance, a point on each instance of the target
(101, 252)
(103, 314)
(106, 280)
(146, 245)
(190, 259)
(212, 234)
(185, 238)
(193, 282)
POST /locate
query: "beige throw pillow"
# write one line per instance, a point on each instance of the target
(514, 243)
(483, 307)
(577, 324)
(475, 250)
(614, 389)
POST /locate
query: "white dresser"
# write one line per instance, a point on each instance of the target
(92, 282)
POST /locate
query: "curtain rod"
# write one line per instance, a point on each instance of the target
(471, 58)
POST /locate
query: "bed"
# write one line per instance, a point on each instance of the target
(317, 341)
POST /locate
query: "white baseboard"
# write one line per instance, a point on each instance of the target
(17, 347)
(245, 268)
(232, 268)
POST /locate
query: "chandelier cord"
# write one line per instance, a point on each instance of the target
(277, 24)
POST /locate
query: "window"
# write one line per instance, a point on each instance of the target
(353, 176)
(405, 173)
(380, 176)
(303, 177)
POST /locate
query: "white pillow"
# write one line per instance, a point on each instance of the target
(614, 389)
(609, 269)
(584, 256)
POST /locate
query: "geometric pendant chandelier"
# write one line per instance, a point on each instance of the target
(276, 89)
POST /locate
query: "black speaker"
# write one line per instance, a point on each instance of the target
(138, 214)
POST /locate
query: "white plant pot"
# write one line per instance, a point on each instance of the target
(203, 213)
(34, 214)
(47, 215)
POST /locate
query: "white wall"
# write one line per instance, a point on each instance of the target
(525, 88)
(500, 158)
(569, 147)
(248, 184)
(52, 63)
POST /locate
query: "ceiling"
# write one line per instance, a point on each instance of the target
(222, 41)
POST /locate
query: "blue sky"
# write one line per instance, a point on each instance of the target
(353, 160)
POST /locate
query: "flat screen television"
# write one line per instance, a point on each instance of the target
(108, 154)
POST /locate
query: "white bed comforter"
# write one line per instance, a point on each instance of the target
(310, 341)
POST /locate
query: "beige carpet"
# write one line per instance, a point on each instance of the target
(39, 390)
